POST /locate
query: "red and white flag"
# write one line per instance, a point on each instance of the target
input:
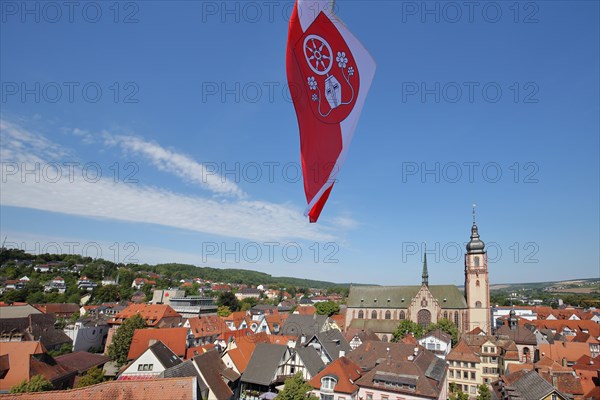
(329, 73)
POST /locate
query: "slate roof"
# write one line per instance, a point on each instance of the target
(363, 334)
(173, 388)
(164, 355)
(187, 369)
(528, 385)
(308, 325)
(519, 334)
(377, 296)
(311, 359)
(82, 361)
(264, 362)
(35, 327)
(439, 334)
(333, 342)
(215, 374)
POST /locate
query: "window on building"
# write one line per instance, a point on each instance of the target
(477, 304)
(388, 314)
(451, 373)
(472, 365)
(369, 396)
(476, 261)
(477, 283)
(402, 315)
(383, 397)
(445, 314)
(472, 375)
(328, 383)
(373, 314)
(361, 314)
(456, 318)
(473, 389)
(465, 375)
(424, 318)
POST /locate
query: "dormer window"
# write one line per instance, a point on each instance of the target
(328, 383)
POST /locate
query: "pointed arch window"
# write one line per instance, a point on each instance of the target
(388, 314)
(373, 314)
(456, 318)
(361, 314)
(402, 315)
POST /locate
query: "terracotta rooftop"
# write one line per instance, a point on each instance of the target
(159, 389)
(151, 313)
(208, 325)
(174, 338)
(462, 352)
(346, 372)
(571, 351)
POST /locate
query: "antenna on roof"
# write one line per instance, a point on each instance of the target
(474, 205)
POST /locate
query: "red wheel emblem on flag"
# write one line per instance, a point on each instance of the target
(329, 70)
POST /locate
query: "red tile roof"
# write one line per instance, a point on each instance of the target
(207, 325)
(571, 351)
(346, 372)
(196, 351)
(159, 389)
(462, 352)
(151, 313)
(174, 338)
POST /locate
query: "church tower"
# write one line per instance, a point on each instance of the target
(477, 290)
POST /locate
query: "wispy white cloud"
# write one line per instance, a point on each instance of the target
(240, 218)
(178, 164)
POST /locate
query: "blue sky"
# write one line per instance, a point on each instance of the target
(187, 101)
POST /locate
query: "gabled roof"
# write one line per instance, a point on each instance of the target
(264, 362)
(377, 296)
(17, 311)
(332, 341)
(174, 338)
(173, 388)
(519, 334)
(58, 308)
(192, 352)
(164, 355)
(439, 334)
(311, 359)
(345, 371)
(462, 352)
(82, 361)
(528, 385)
(215, 374)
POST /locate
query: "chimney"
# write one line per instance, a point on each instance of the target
(554, 382)
(416, 351)
(342, 353)
(303, 339)
(564, 362)
(151, 342)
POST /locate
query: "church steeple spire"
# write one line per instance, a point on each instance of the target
(425, 274)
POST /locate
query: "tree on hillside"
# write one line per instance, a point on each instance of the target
(36, 384)
(296, 389)
(93, 376)
(228, 299)
(119, 348)
(327, 308)
(447, 326)
(407, 326)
